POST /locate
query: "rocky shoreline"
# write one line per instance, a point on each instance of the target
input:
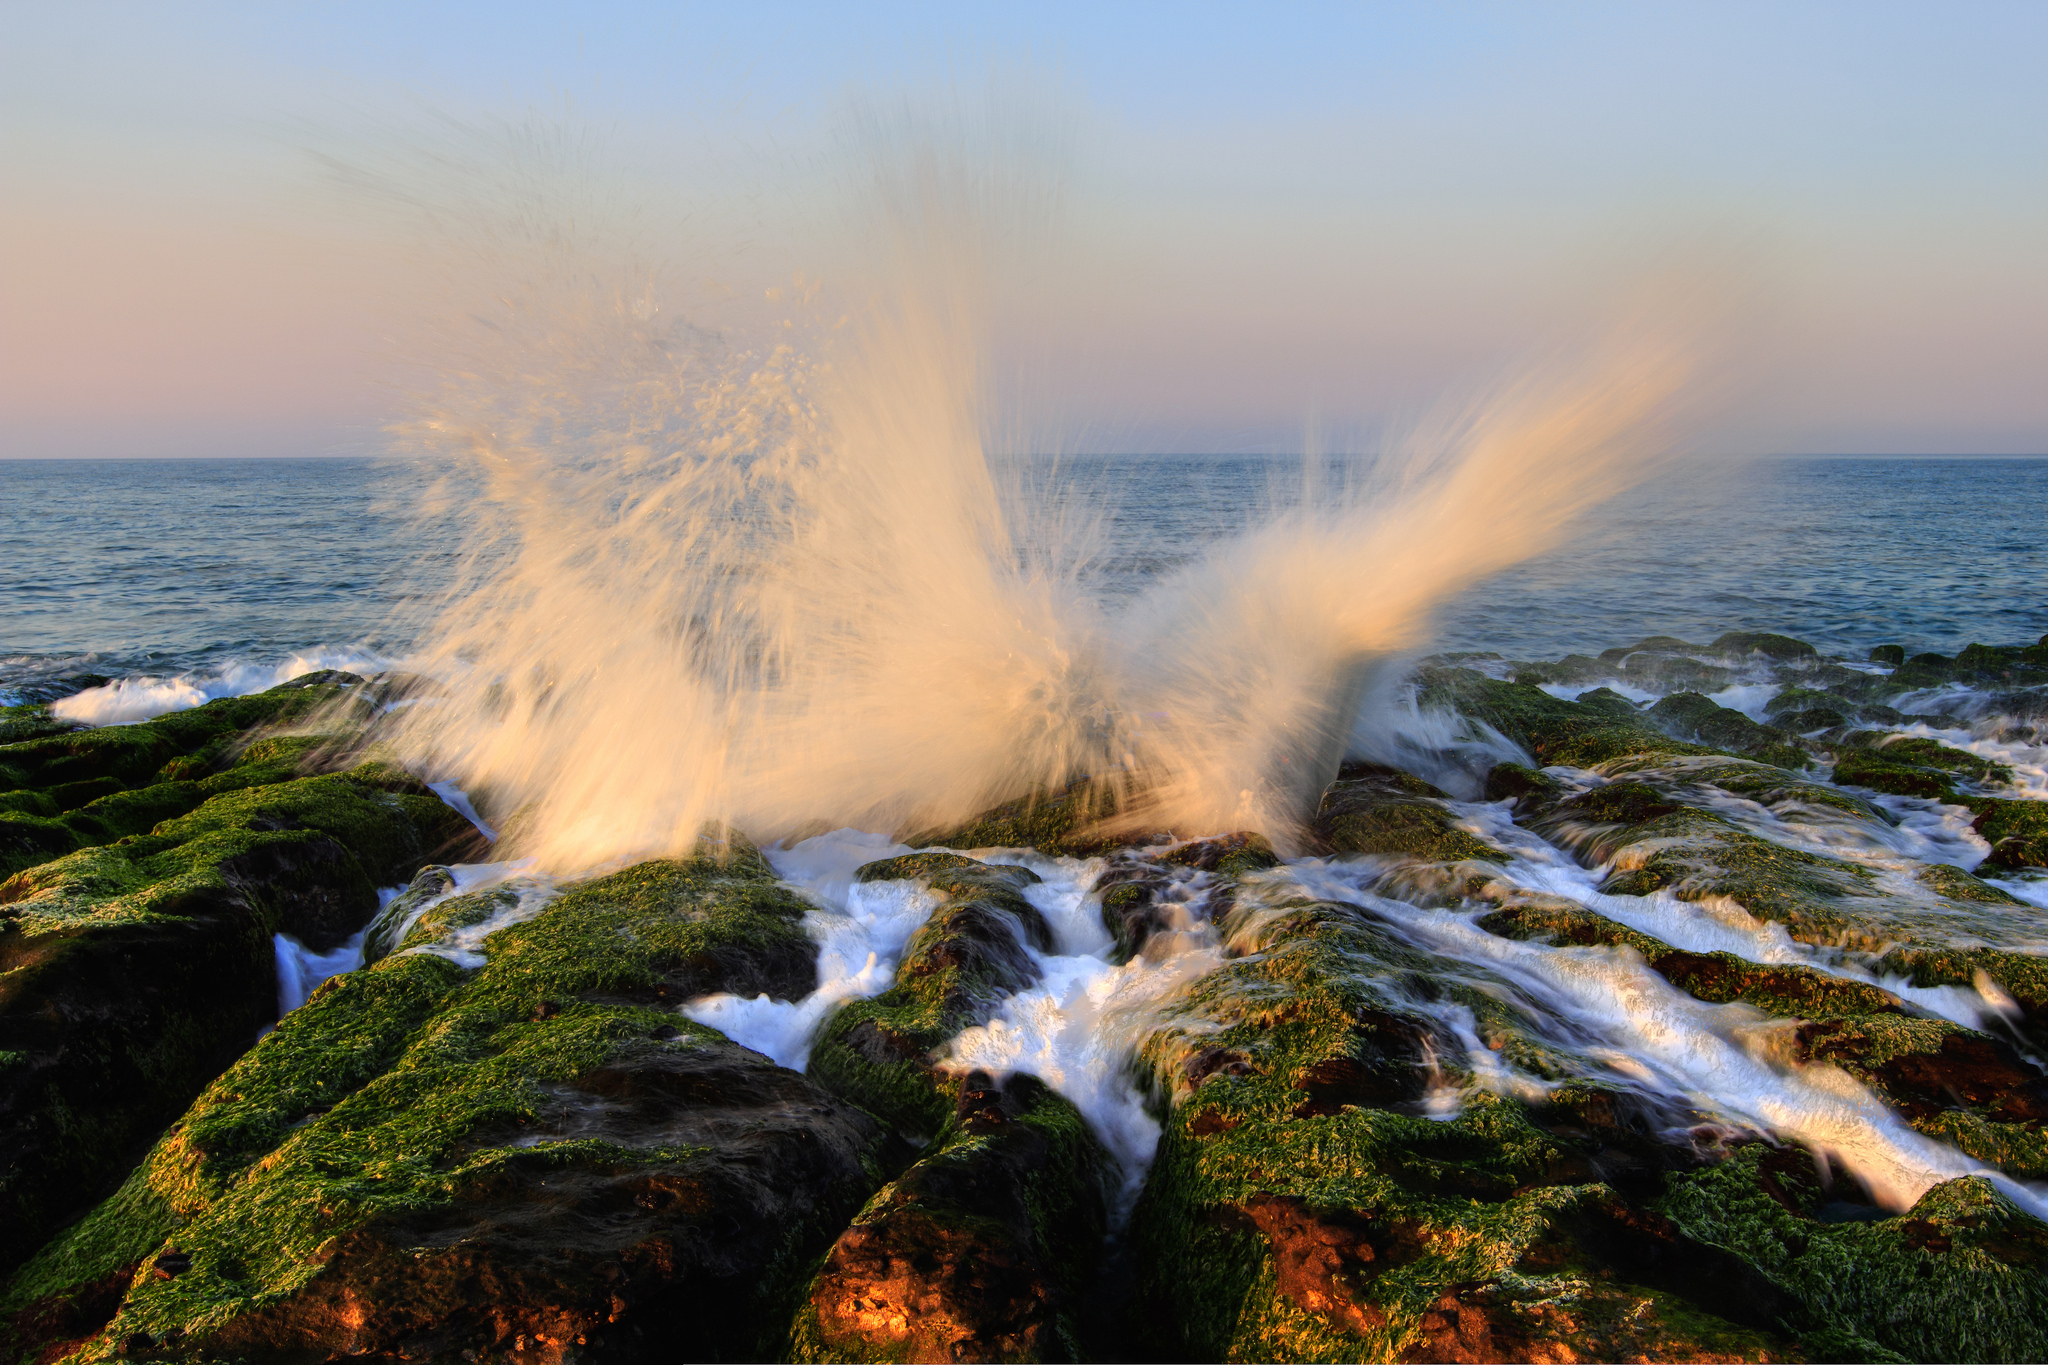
(499, 1139)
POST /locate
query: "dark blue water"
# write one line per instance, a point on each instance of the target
(165, 567)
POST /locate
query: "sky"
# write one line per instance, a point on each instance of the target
(1281, 224)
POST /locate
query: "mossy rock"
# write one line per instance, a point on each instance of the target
(1718, 978)
(1075, 820)
(1912, 766)
(523, 1151)
(2023, 977)
(84, 787)
(1389, 812)
(1688, 715)
(1777, 648)
(1302, 1206)
(1557, 733)
(985, 1249)
(1959, 1276)
(1675, 673)
(30, 720)
(131, 973)
(955, 970)
(2016, 830)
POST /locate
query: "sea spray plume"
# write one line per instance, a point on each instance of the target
(762, 584)
(779, 583)
(1242, 675)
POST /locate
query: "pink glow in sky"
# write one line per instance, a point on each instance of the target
(1316, 216)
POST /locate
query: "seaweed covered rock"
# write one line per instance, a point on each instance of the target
(1903, 765)
(1376, 809)
(1075, 820)
(1148, 891)
(985, 1249)
(134, 971)
(1689, 715)
(1575, 734)
(1962, 1275)
(1952, 1083)
(1305, 1204)
(2016, 830)
(971, 952)
(532, 1159)
(78, 788)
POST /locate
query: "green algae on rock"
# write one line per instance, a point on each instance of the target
(136, 970)
(985, 1249)
(1959, 1276)
(529, 1150)
(1375, 809)
(1302, 1207)
(969, 953)
(1558, 733)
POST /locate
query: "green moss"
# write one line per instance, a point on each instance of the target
(31, 720)
(134, 971)
(2018, 1149)
(955, 969)
(1383, 815)
(1571, 734)
(1718, 978)
(405, 1088)
(2016, 830)
(1949, 881)
(132, 754)
(1780, 648)
(1958, 1277)
(1904, 766)
(1067, 821)
(1689, 715)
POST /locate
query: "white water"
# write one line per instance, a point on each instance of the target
(127, 700)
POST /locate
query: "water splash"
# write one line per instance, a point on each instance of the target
(773, 575)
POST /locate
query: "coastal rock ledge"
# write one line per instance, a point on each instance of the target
(501, 1139)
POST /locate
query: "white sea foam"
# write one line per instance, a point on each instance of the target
(300, 970)
(1748, 698)
(860, 927)
(1725, 1059)
(127, 700)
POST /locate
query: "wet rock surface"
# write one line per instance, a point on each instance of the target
(1399, 1115)
(137, 963)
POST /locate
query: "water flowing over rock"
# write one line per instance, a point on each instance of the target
(1689, 1039)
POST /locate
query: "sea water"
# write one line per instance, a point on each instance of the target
(218, 573)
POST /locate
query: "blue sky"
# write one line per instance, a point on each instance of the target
(1278, 215)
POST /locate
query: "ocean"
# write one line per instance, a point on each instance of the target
(225, 570)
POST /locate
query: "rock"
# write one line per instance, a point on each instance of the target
(1556, 733)
(1688, 715)
(878, 1053)
(2016, 830)
(1303, 1207)
(1907, 766)
(1957, 1277)
(1144, 891)
(1777, 648)
(983, 1250)
(131, 973)
(76, 789)
(1893, 655)
(1373, 809)
(523, 1160)
(1076, 820)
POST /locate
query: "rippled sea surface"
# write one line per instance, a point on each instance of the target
(172, 566)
